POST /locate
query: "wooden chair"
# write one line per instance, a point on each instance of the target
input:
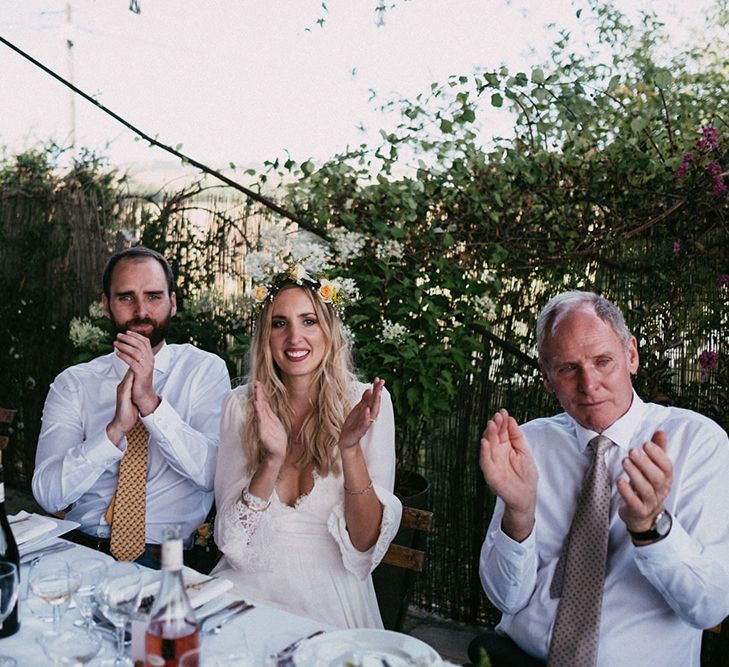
(7, 417)
(408, 556)
(394, 577)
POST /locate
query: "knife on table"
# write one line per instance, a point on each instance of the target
(222, 615)
(42, 551)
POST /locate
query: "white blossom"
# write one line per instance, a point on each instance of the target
(348, 286)
(390, 251)
(313, 256)
(347, 245)
(205, 300)
(484, 306)
(84, 334)
(275, 240)
(392, 331)
(96, 311)
(348, 333)
(260, 265)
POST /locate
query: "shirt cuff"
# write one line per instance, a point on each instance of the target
(510, 547)
(103, 452)
(672, 550)
(162, 419)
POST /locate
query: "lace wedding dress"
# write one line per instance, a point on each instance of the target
(300, 558)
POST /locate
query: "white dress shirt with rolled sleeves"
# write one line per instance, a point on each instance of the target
(77, 464)
(657, 597)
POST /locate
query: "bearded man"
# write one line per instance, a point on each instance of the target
(148, 406)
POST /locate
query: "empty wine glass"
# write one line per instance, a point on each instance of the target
(51, 580)
(118, 598)
(8, 596)
(71, 646)
(91, 571)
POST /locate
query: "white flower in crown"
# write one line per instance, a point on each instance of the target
(298, 274)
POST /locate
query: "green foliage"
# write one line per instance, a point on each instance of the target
(586, 194)
(614, 180)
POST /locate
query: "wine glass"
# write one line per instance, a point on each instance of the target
(71, 646)
(91, 571)
(51, 580)
(8, 596)
(118, 598)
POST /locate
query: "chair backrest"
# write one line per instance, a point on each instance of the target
(7, 417)
(409, 557)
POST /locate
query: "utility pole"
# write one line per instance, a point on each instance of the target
(69, 59)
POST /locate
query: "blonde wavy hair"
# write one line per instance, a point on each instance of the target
(330, 392)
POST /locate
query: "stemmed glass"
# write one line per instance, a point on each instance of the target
(51, 580)
(91, 571)
(118, 598)
(71, 646)
(8, 596)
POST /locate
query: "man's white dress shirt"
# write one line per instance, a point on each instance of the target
(657, 597)
(77, 464)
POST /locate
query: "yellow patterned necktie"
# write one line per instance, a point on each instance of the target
(127, 510)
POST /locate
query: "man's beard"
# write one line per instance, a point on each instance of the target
(156, 336)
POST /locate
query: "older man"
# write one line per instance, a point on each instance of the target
(609, 543)
(129, 440)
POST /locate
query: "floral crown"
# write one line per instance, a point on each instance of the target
(339, 292)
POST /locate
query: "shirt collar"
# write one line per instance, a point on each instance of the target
(620, 432)
(161, 361)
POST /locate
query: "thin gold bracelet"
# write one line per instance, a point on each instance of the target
(358, 493)
(254, 509)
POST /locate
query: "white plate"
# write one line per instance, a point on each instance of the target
(365, 648)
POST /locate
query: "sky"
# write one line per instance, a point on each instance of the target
(243, 81)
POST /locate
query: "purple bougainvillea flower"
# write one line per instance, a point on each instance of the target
(684, 166)
(709, 139)
(709, 359)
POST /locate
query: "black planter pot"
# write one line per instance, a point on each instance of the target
(393, 585)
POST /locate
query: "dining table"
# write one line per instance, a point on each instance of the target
(253, 629)
(256, 624)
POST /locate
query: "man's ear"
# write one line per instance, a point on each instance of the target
(173, 304)
(633, 357)
(545, 378)
(105, 306)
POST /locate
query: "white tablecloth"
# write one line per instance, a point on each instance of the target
(256, 624)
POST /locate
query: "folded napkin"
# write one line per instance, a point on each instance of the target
(27, 527)
(200, 588)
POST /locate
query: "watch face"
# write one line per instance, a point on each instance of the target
(663, 523)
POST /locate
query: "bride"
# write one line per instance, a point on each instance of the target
(306, 464)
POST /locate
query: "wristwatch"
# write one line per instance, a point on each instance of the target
(661, 528)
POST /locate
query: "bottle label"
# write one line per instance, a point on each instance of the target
(172, 555)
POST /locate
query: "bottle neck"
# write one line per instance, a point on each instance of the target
(172, 556)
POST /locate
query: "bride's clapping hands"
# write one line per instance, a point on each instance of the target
(362, 416)
(270, 429)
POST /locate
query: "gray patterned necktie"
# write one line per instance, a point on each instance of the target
(580, 575)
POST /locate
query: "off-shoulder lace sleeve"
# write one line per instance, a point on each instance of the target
(241, 528)
(378, 447)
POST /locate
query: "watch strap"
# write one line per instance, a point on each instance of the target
(652, 533)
